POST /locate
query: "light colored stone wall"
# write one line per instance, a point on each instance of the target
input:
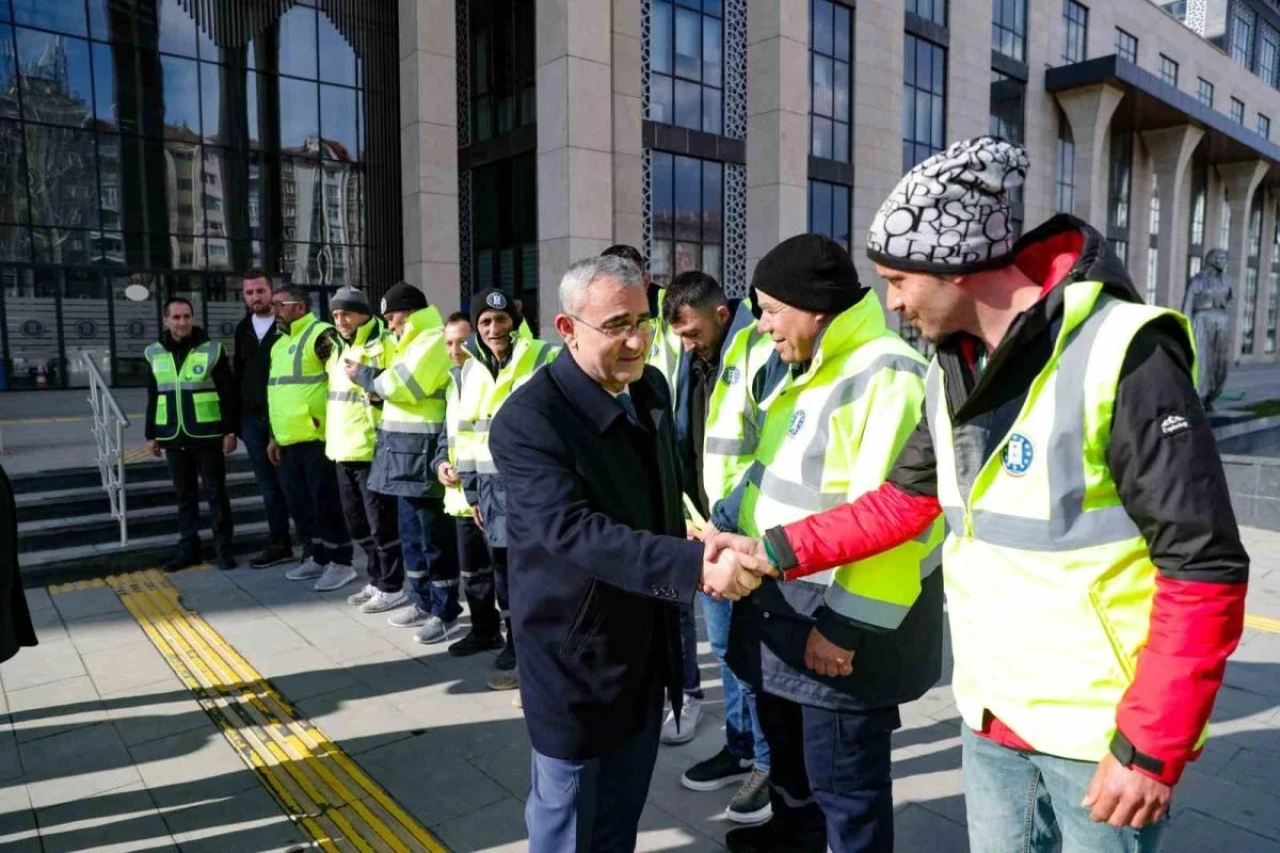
(628, 108)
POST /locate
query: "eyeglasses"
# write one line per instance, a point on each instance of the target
(621, 331)
(275, 304)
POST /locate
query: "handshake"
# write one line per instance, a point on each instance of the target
(733, 566)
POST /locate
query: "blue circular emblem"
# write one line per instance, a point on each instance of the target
(33, 328)
(797, 423)
(197, 369)
(87, 328)
(731, 375)
(1018, 455)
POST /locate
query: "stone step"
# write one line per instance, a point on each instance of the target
(99, 528)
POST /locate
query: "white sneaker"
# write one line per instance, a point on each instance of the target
(688, 722)
(380, 601)
(409, 617)
(335, 577)
(435, 630)
(305, 571)
(363, 595)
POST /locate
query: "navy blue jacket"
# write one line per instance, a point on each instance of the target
(597, 557)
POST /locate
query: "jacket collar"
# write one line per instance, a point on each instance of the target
(597, 405)
(197, 337)
(299, 325)
(371, 330)
(850, 329)
(420, 321)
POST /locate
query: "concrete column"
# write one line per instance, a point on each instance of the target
(777, 124)
(1089, 112)
(879, 41)
(575, 140)
(968, 69)
(1265, 259)
(1170, 150)
(628, 109)
(1140, 216)
(429, 147)
(1241, 181)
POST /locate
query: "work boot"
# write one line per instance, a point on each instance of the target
(276, 553)
(771, 837)
(474, 643)
(226, 557)
(504, 681)
(187, 556)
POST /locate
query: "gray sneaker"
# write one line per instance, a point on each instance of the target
(434, 630)
(751, 803)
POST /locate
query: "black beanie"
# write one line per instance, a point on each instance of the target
(403, 297)
(810, 272)
(493, 300)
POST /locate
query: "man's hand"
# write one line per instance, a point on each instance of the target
(228, 444)
(477, 516)
(1119, 796)
(154, 447)
(718, 542)
(826, 658)
(273, 452)
(350, 367)
(447, 475)
(730, 575)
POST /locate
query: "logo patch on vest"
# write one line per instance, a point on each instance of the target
(797, 423)
(197, 369)
(730, 376)
(1018, 455)
(1174, 424)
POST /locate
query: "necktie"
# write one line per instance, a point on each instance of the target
(624, 400)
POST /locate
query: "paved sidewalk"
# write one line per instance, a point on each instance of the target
(103, 748)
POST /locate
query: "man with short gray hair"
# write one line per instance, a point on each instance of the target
(599, 562)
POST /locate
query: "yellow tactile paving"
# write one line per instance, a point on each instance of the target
(336, 804)
(1262, 623)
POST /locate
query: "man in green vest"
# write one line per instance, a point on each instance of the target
(351, 423)
(717, 422)
(297, 397)
(191, 417)
(1094, 574)
(840, 397)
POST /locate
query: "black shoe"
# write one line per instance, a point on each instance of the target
(184, 560)
(718, 771)
(751, 804)
(771, 837)
(475, 643)
(227, 562)
(507, 657)
(275, 554)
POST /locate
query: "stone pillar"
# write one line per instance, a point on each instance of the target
(1140, 216)
(879, 42)
(1170, 150)
(575, 140)
(1241, 181)
(429, 147)
(1265, 258)
(777, 124)
(1089, 112)
(628, 106)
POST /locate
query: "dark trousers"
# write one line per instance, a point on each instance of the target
(591, 806)
(311, 487)
(256, 433)
(374, 522)
(208, 465)
(830, 773)
(689, 652)
(477, 577)
(428, 540)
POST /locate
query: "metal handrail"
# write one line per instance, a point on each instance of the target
(109, 424)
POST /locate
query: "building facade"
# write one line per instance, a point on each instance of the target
(462, 144)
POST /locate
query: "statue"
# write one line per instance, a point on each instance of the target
(1205, 303)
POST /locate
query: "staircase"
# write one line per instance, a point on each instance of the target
(66, 531)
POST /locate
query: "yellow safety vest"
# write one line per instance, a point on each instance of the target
(732, 431)
(351, 420)
(483, 395)
(296, 386)
(455, 502)
(187, 400)
(831, 435)
(413, 387)
(1048, 580)
(664, 351)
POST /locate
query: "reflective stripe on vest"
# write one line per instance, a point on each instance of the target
(455, 501)
(187, 398)
(1049, 583)
(420, 357)
(831, 435)
(483, 394)
(351, 420)
(297, 387)
(732, 431)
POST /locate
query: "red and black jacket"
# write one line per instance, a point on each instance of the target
(1172, 485)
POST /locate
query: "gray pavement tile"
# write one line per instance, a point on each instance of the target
(249, 820)
(51, 709)
(1255, 768)
(300, 673)
(261, 636)
(508, 766)
(42, 664)
(399, 768)
(106, 632)
(76, 765)
(80, 603)
(917, 828)
(496, 828)
(38, 599)
(343, 646)
(358, 724)
(468, 725)
(126, 667)
(221, 602)
(662, 831)
(153, 711)
(10, 763)
(702, 810)
(389, 673)
(18, 832)
(202, 754)
(117, 821)
(49, 626)
(1192, 831)
(1241, 806)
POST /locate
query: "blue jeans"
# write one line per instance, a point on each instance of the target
(741, 722)
(256, 432)
(1018, 802)
(311, 487)
(591, 806)
(428, 540)
(689, 652)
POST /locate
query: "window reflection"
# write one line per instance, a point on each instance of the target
(299, 120)
(63, 17)
(181, 87)
(298, 42)
(339, 60)
(686, 43)
(688, 222)
(55, 78)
